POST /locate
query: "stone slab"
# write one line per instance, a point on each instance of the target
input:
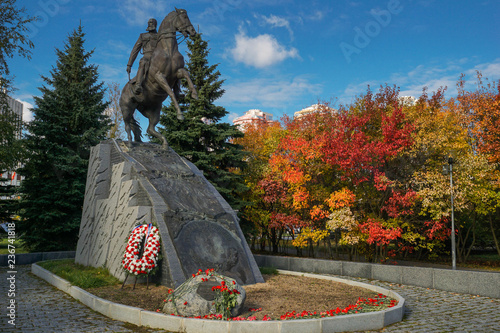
(485, 284)
(125, 313)
(205, 326)
(356, 269)
(102, 306)
(394, 314)
(83, 296)
(278, 262)
(387, 273)
(355, 322)
(449, 280)
(255, 326)
(327, 267)
(53, 279)
(418, 276)
(301, 326)
(159, 320)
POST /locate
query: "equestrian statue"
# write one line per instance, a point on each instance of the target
(158, 76)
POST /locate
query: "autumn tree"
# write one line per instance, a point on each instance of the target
(114, 112)
(259, 142)
(481, 110)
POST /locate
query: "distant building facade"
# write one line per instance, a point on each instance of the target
(408, 100)
(313, 109)
(16, 108)
(251, 116)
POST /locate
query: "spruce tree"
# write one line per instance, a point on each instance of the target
(201, 137)
(68, 120)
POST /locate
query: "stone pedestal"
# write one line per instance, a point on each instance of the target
(198, 229)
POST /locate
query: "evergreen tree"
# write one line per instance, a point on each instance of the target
(7, 200)
(68, 120)
(201, 137)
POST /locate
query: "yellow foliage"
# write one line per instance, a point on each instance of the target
(309, 234)
(342, 198)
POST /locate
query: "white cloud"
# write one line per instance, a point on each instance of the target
(317, 15)
(232, 116)
(277, 22)
(27, 114)
(269, 92)
(138, 12)
(261, 51)
(431, 76)
(489, 70)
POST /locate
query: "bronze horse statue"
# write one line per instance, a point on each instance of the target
(162, 80)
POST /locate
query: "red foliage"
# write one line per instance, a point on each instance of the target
(274, 190)
(400, 203)
(279, 220)
(438, 229)
(379, 234)
(354, 146)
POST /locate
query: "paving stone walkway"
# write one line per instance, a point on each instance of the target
(42, 308)
(432, 310)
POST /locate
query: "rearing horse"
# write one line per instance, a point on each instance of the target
(162, 79)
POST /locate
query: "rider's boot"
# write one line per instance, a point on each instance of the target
(138, 83)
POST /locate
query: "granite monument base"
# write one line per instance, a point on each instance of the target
(144, 184)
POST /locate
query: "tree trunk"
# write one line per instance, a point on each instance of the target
(493, 233)
(461, 245)
(330, 251)
(473, 241)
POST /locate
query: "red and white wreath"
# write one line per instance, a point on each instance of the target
(148, 261)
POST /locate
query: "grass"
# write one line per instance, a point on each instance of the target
(268, 270)
(485, 256)
(4, 248)
(79, 275)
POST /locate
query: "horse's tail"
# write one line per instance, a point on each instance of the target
(136, 129)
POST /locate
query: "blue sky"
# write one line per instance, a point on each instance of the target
(281, 56)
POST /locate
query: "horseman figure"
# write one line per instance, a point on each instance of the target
(160, 70)
(147, 42)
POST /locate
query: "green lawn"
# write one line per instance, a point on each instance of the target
(4, 249)
(79, 275)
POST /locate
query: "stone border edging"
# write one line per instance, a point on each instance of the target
(459, 281)
(29, 258)
(363, 321)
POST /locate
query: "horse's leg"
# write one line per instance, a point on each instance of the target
(154, 118)
(183, 73)
(127, 108)
(164, 84)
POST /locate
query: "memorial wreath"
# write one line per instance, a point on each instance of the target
(133, 262)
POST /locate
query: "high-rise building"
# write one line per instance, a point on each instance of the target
(251, 116)
(16, 108)
(315, 108)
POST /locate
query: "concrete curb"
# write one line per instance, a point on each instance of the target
(29, 258)
(459, 281)
(356, 322)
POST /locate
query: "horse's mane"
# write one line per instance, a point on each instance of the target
(170, 16)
